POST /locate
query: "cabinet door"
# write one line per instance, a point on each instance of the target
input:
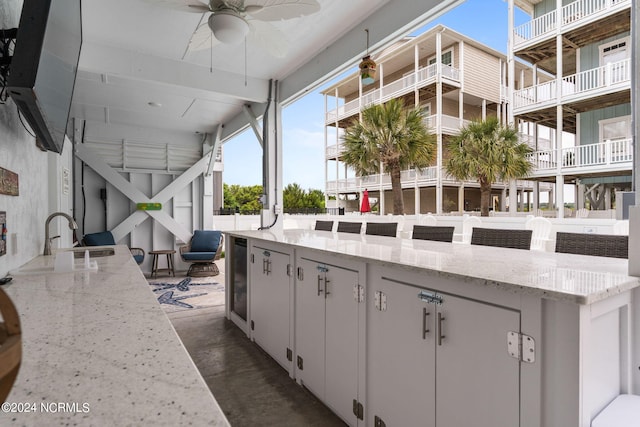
(400, 355)
(341, 342)
(310, 303)
(270, 303)
(477, 381)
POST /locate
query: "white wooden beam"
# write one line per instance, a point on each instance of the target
(217, 142)
(138, 65)
(253, 122)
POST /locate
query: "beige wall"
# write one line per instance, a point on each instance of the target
(481, 74)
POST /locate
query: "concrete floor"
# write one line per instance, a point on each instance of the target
(250, 387)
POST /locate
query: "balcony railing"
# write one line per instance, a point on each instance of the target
(423, 77)
(584, 84)
(613, 152)
(535, 28)
(573, 14)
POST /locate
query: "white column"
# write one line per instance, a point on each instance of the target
(536, 195)
(510, 62)
(461, 198)
(559, 121)
(439, 194)
(381, 189)
(484, 109)
(326, 144)
(416, 69)
(503, 200)
(417, 199)
(513, 197)
(272, 170)
(580, 196)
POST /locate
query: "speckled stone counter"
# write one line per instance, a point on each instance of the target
(566, 277)
(99, 351)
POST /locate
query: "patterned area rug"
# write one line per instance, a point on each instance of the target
(187, 293)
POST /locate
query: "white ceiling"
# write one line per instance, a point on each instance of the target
(135, 52)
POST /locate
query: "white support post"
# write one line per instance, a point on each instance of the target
(461, 198)
(271, 216)
(513, 197)
(439, 177)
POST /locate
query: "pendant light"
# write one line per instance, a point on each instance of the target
(367, 66)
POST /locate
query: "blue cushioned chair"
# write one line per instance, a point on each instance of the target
(202, 251)
(105, 238)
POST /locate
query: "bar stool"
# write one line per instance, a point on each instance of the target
(155, 254)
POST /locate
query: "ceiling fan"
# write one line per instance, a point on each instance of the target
(230, 21)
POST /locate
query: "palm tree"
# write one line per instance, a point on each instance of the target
(391, 135)
(489, 152)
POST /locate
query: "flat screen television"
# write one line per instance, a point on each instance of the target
(43, 70)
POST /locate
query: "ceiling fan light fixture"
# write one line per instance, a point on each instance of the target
(228, 27)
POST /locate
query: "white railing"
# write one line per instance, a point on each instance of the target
(371, 97)
(334, 150)
(449, 124)
(427, 73)
(399, 87)
(586, 83)
(393, 90)
(597, 78)
(576, 13)
(536, 27)
(583, 9)
(533, 95)
(585, 156)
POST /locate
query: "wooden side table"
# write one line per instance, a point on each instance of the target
(155, 254)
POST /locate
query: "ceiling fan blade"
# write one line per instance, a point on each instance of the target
(277, 10)
(269, 38)
(181, 5)
(202, 38)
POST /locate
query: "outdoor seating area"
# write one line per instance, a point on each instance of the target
(594, 236)
(204, 249)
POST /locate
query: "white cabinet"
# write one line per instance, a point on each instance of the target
(327, 333)
(270, 302)
(436, 359)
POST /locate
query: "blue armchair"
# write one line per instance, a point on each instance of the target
(202, 251)
(105, 238)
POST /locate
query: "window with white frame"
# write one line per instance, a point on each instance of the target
(617, 133)
(446, 58)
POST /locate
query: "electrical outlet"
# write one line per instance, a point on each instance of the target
(14, 243)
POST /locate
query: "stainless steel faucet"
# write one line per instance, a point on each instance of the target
(47, 239)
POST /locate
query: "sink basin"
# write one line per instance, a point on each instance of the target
(93, 253)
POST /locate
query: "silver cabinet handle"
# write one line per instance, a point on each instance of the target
(326, 287)
(440, 334)
(425, 330)
(268, 267)
(319, 288)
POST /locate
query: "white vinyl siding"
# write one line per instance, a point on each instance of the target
(481, 74)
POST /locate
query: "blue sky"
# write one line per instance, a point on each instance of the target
(303, 121)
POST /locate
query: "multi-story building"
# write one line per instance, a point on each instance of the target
(585, 46)
(455, 79)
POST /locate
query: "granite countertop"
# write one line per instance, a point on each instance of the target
(97, 349)
(574, 278)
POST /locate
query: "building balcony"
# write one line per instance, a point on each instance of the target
(615, 156)
(450, 125)
(576, 88)
(423, 77)
(577, 14)
(408, 178)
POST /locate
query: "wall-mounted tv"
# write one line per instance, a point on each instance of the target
(43, 69)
